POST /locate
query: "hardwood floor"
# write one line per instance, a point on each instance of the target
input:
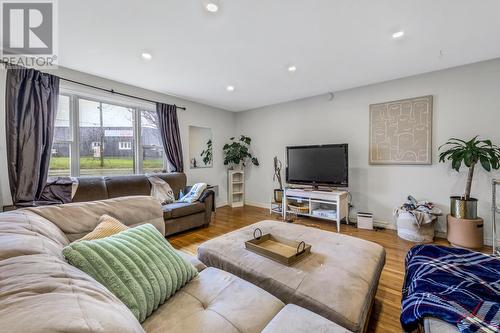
(385, 313)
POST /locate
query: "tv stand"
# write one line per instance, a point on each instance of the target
(327, 205)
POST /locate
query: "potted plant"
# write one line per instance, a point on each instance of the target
(465, 228)
(237, 152)
(278, 192)
(469, 153)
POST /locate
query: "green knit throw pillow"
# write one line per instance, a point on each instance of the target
(138, 265)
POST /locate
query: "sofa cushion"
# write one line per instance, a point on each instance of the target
(138, 265)
(174, 226)
(78, 219)
(434, 325)
(294, 319)
(180, 209)
(215, 301)
(90, 189)
(41, 293)
(24, 233)
(122, 186)
(192, 260)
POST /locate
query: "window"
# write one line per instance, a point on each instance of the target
(125, 145)
(60, 164)
(152, 157)
(112, 139)
(105, 124)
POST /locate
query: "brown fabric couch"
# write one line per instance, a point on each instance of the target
(178, 216)
(40, 292)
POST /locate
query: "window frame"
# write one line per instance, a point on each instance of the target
(71, 139)
(74, 124)
(124, 145)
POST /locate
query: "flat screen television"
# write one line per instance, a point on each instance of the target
(320, 165)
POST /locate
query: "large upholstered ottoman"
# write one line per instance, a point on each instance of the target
(337, 281)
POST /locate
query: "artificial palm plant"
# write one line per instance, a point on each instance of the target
(470, 153)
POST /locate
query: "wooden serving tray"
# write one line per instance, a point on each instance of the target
(279, 249)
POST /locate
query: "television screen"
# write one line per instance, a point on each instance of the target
(318, 165)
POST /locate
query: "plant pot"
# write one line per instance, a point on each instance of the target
(463, 208)
(465, 233)
(238, 167)
(278, 195)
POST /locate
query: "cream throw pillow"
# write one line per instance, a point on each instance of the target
(161, 190)
(107, 226)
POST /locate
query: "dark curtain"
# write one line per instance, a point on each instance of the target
(170, 135)
(31, 104)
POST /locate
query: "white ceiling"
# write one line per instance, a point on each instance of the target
(335, 44)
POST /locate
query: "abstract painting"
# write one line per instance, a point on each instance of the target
(401, 132)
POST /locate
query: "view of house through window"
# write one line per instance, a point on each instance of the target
(111, 128)
(152, 149)
(106, 139)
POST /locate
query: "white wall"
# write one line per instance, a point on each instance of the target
(221, 122)
(198, 139)
(466, 103)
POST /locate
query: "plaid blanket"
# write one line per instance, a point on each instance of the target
(458, 286)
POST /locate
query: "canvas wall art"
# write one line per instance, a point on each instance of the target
(401, 131)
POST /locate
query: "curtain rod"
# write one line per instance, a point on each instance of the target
(112, 91)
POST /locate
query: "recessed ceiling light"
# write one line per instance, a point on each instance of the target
(146, 56)
(292, 68)
(398, 34)
(230, 88)
(212, 7)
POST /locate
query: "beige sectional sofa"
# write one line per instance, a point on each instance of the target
(41, 292)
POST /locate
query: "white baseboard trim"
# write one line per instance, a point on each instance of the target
(258, 204)
(384, 224)
(377, 223)
(489, 241)
(220, 204)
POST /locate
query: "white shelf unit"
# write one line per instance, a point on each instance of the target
(327, 205)
(236, 188)
(495, 211)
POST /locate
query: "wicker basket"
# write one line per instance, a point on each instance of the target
(298, 209)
